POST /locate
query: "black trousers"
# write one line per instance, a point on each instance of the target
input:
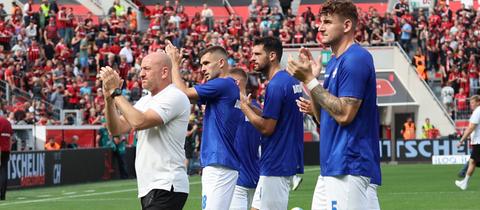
(158, 199)
(5, 156)
(122, 167)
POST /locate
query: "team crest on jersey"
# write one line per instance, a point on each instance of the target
(237, 104)
(334, 72)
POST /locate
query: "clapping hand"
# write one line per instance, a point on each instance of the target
(305, 106)
(174, 53)
(301, 68)
(110, 79)
(245, 100)
(316, 64)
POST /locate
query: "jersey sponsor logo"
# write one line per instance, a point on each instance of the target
(297, 89)
(5, 135)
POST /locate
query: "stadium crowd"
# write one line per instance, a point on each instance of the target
(54, 55)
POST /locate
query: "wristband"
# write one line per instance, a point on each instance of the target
(312, 84)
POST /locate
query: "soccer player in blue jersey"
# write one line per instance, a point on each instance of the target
(349, 148)
(247, 143)
(220, 94)
(305, 106)
(281, 126)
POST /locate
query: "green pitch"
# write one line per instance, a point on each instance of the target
(415, 187)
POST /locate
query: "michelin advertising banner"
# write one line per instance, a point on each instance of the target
(420, 150)
(47, 168)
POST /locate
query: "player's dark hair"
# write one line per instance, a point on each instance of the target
(240, 72)
(270, 44)
(214, 49)
(343, 8)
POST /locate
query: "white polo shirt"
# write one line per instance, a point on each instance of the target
(475, 119)
(160, 150)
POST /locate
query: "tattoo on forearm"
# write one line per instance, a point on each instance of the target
(350, 101)
(333, 105)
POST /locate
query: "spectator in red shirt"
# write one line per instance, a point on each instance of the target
(9, 76)
(155, 25)
(154, 46)
(34, 51)
(93, 118)
(115, 48)
(6, 133)
(434, 20)
(472, 69)
(73, 97)
(123, 68)
(298, 37)
(167, 9)
(285, 36)
(156, 12)
(69, 25)
(104, 50)
(184, 22)
(461, 102)
(52, 32)
(62, 22)
(99, 100)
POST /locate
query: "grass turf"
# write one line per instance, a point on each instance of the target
(415, 187)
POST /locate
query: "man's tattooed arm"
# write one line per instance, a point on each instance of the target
(343, 109)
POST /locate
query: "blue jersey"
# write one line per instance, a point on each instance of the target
(282, 152)
(222, 117)
(352, 149)
(247, 143)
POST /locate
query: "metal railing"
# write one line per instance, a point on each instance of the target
(229, 7)
(412, 68)
(25, 96)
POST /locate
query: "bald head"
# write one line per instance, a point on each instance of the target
(159, 59)
(156, 72)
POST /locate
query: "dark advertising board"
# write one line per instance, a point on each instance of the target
(406, 151)
(420, 150)
(27, 169)
(47, 168)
